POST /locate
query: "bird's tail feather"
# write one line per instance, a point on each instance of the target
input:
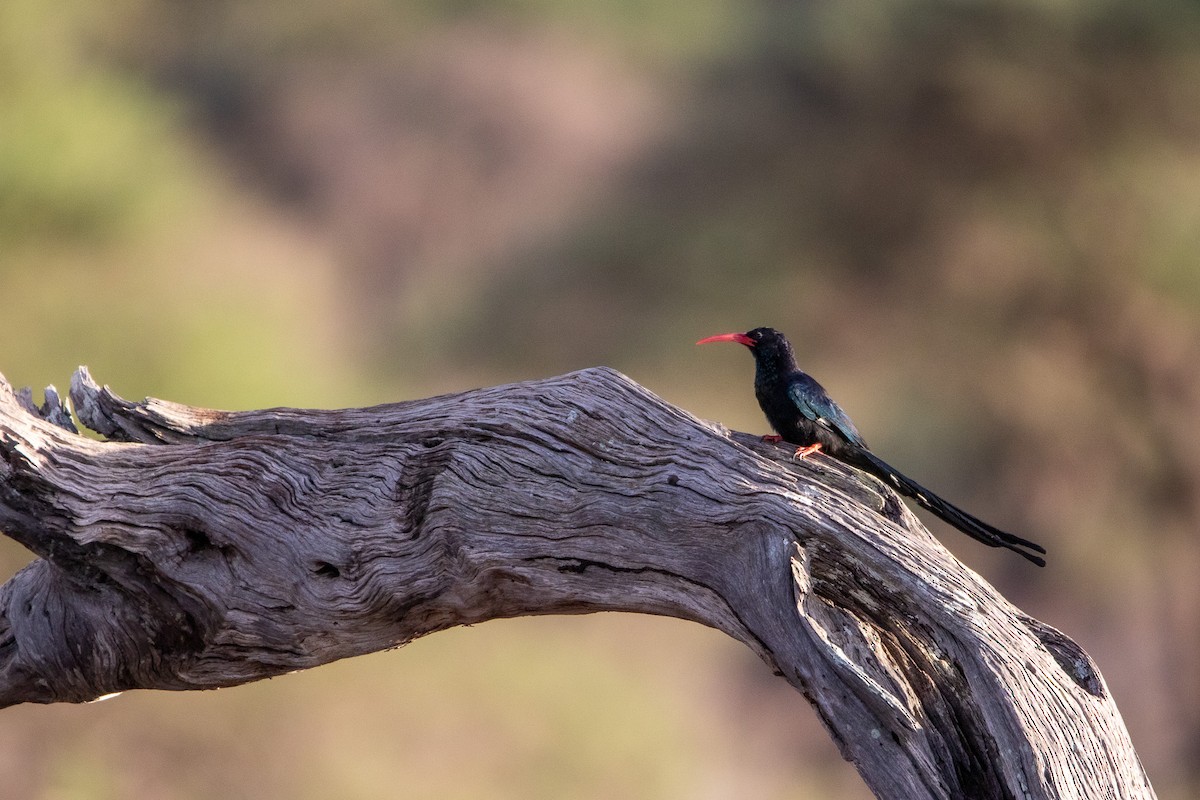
(975, 528)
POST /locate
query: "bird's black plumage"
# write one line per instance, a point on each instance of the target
(802, 413)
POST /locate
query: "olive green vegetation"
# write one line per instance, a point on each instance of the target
(980, 224)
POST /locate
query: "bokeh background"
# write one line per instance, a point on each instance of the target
(979, 222)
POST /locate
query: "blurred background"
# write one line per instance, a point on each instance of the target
(979, 223)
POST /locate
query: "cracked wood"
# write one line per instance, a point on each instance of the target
(194, 549)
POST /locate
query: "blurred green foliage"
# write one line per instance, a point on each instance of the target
(70, 156)
(980, 222)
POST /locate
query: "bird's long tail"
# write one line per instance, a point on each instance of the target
(975, 528)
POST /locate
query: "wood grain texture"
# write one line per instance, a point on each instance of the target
(194, 549)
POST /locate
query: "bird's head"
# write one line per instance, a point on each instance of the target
(763, 339)
(769, 346)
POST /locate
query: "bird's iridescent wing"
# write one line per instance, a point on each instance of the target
(814, 403)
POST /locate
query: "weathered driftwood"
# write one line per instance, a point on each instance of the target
(195, 549)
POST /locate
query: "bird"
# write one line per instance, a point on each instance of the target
(803, 414)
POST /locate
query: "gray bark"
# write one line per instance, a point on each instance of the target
(193, 549)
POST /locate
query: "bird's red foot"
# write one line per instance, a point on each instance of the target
(805, 452)
(772, 437)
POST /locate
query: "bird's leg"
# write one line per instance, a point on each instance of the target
(805, 452)
(772, 438)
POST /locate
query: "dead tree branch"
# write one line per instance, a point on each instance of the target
(194, 549)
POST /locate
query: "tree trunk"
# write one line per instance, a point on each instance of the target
(193, 549)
